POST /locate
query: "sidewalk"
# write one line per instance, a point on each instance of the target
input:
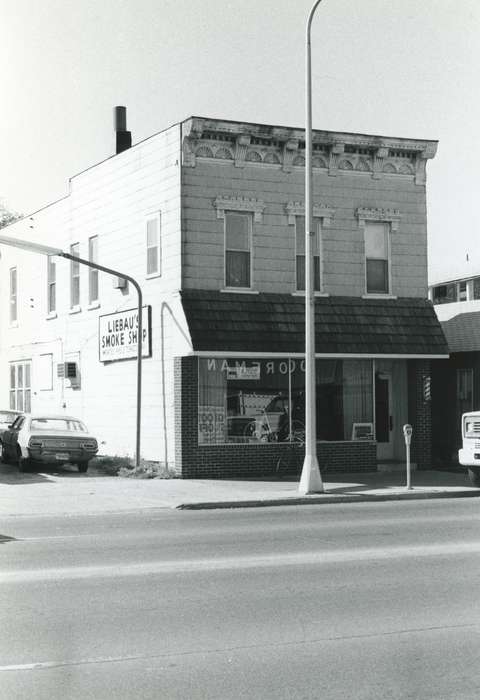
(65, 491)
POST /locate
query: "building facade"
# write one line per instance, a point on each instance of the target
(456, 381)
(208, 216)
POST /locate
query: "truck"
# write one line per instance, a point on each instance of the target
(469, 453)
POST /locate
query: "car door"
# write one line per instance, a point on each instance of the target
(10, 438)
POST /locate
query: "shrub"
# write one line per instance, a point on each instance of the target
(125, 467)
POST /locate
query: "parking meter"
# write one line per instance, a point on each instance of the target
(407, 434)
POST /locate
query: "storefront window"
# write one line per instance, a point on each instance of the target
(263, 400)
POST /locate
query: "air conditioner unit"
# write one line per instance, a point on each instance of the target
(69, 370)
(119, 283)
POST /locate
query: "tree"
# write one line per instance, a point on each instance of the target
(7, 217)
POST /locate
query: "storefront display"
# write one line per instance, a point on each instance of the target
(263, 400)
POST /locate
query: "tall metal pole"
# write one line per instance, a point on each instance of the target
(310, 480)
(96, 266)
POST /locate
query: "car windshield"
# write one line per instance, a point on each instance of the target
(7, 417)
(57, 424)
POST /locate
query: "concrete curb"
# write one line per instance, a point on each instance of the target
(328, 499)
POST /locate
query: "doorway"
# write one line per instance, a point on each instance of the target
(383, 415)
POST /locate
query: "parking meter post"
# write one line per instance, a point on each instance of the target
(407, 433)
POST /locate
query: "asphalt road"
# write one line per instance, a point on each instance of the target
(359, 601)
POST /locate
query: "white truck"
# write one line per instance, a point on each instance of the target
(469, 454)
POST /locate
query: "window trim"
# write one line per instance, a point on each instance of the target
(13, 297)
(156, 216)
(390, 217)
(249, 217)
(15, 389)
(388, 260)
(74, 308)
(93, 274)
(317, 222)
(51, 286)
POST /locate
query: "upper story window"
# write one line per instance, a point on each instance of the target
(238, 214)
(153, 245)
(378, 226)
(75, 276)
(238, 249)
(13, 295)
(300, 253)
(51, 285)
(92, 272)
(377, 257)
(476, 288)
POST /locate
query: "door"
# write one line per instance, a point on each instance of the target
(383, 415)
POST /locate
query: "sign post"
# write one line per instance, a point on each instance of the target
(407, 432)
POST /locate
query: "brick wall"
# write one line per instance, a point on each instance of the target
(420, 412)
(253, 460)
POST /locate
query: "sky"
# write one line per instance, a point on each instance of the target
(405, 68)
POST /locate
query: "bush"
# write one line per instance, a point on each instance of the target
(125, 467)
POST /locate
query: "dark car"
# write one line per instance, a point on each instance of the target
(48, 439)
(6, 419)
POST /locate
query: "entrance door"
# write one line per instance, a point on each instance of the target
(383, 415)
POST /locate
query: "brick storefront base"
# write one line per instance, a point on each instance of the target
(194, 461)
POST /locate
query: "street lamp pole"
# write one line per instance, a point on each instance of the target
(310, 480)
(49, 250)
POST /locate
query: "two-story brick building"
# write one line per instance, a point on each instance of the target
(208, 216)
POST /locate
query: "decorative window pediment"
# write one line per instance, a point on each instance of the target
(223, 204)
(320, 211)
(391, 216)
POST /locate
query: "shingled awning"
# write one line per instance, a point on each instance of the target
(275, 323)
(463, 332)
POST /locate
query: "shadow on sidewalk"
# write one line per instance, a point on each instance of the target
(10, 474)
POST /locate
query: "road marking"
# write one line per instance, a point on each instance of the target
(312, 558)
(43, 665)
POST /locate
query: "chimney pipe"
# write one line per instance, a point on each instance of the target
(123, 137)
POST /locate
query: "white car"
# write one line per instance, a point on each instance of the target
(48, 439)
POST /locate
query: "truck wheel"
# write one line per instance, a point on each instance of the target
(474, 477)
(82, 467)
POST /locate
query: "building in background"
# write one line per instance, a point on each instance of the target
(456, 381)
(208, 216)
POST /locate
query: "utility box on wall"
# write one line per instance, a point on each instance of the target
(69, 371)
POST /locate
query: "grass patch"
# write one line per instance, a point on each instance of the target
(125, 467)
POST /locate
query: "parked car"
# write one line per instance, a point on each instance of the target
(48, 439)
(6, 419)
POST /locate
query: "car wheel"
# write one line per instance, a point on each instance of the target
(474, 477)
(82, 467)
(22, 462)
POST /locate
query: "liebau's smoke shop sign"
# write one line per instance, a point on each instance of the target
(118, 335)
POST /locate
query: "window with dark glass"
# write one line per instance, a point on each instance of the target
(153, 245)
(263, 400)
(476, 288)
(92, 272)
(300, 253)
(377, 258)
(20, 386)
(238, 241)
(74, 276)
(52, 284)
(13, 294)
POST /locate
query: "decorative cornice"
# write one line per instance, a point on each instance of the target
(391, 216)
(257, 145)
(224, 203)
(320, 211)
